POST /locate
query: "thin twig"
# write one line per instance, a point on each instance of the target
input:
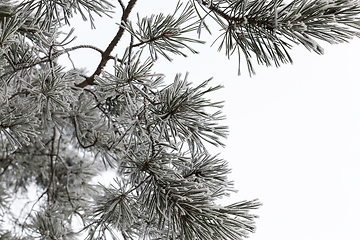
(77, 136)
(54, 56)
(162, 35)
(105, 56)
(130, 49)
(122, 5)
(52, 64)
(137, 186)
(69, 57)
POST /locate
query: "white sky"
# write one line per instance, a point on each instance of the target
(294, 131)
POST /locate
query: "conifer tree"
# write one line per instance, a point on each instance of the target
(60, 128)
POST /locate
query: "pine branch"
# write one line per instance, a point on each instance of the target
(154, 137)
(45, 60)
(57, 54)
(266, 29)
(111, 46)
(122, 5)
(51, 58)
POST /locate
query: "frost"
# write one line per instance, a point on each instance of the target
(238, 31)
(320, 49)
(245, 21)
(327, 6)
(68, 6)
(298, 15)
(176, 31)
(326, 1)
(316, 46)
(302, 27)
(276, 17)
(331, 41)
(312, 43)
(332, 17)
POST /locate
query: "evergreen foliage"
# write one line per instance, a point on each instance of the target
(61, 128)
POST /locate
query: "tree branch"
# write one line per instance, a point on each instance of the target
(105, 56)
(54, 56)
(122, 5)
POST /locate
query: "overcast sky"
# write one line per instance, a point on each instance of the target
(294, 131)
